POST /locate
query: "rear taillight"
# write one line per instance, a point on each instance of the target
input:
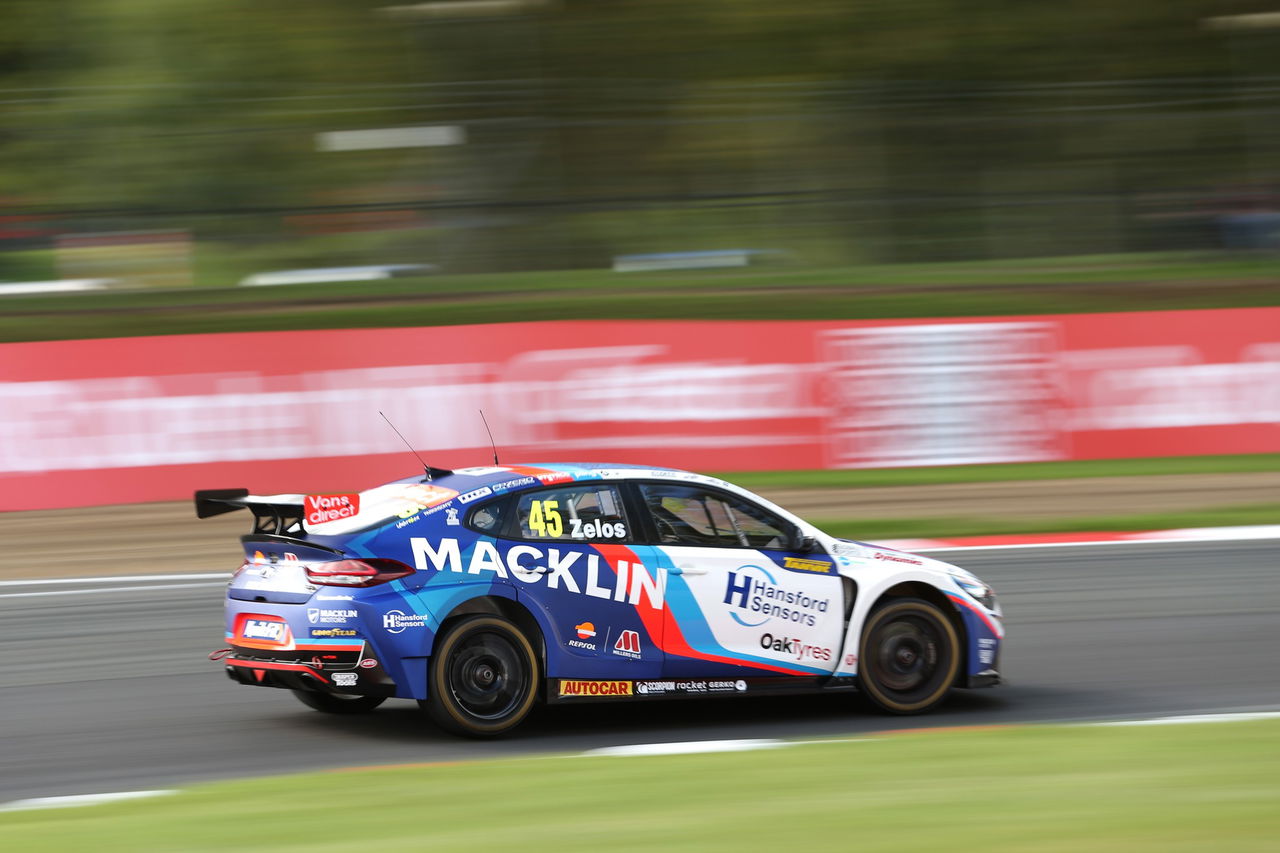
(357, 572)
(258, 559)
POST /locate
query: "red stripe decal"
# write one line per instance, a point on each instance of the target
(662, 628)
(981, 615)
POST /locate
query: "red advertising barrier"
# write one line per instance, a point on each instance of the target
(144, 419)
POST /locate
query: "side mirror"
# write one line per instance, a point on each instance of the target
(803, 544)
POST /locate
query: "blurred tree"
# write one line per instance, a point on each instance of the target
(192, 104)
(860, 128)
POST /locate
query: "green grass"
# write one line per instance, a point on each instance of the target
(1030, 286)
(874, 529)
(1008, 472)
(1167, 788)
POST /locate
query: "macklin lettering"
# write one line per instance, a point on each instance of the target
(579, 572)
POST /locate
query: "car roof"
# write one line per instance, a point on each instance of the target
(548, 473)
(465, 485)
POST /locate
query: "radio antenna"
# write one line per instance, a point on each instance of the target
(425, 467)
(491, 441)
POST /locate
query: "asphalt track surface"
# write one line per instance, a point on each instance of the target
(112, 691)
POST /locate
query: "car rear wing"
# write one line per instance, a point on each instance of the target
(278, 514)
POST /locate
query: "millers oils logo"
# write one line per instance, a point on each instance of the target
(628, 645)
(595, 688)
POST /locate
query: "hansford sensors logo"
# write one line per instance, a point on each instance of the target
(753, 591)
(395, 621)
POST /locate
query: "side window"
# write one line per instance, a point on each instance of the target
(488, 518)
(582, 513)
(687, 515)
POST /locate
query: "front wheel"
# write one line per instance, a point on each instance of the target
(908, 655)
(482, 679)
(338, 703)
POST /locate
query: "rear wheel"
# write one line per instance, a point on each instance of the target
(908, 656)
(338, 703)
(483, 678)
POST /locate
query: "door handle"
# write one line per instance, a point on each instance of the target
(688, 570)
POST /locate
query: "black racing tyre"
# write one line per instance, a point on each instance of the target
(482, 680)
(908, 656)
(338, 703)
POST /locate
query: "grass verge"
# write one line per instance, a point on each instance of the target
(1008, 472)
(1166, 788)
(1033, 286)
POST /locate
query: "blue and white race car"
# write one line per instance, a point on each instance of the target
(481, 591)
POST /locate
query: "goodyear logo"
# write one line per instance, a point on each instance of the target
(332, 632)
(806, 565)
(594, 688)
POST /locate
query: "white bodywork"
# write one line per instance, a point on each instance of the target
(873, 569)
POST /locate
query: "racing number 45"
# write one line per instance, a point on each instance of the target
(544, 517)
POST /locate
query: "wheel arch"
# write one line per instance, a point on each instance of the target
(509, 609)
(930, 593)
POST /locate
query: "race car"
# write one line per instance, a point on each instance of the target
(481, 592)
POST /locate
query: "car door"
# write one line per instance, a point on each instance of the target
(741, 597)
(586, 574)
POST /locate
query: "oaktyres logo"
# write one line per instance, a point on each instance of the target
(756, 597)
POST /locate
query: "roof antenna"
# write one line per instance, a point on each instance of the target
(491, 442)
(425, 467)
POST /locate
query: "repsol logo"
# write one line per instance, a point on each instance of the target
(794, 647)
(623, 581)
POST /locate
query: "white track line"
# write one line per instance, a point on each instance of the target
(704, 746)
(1236, 717)
(1120, 542)
(1229, 534)
(688, 747)
(676, 748)
(78, 800)
(120, 579)
(119, 589)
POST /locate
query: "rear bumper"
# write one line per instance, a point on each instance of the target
(359, 675)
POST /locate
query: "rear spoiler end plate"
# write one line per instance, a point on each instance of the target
(277, 514)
